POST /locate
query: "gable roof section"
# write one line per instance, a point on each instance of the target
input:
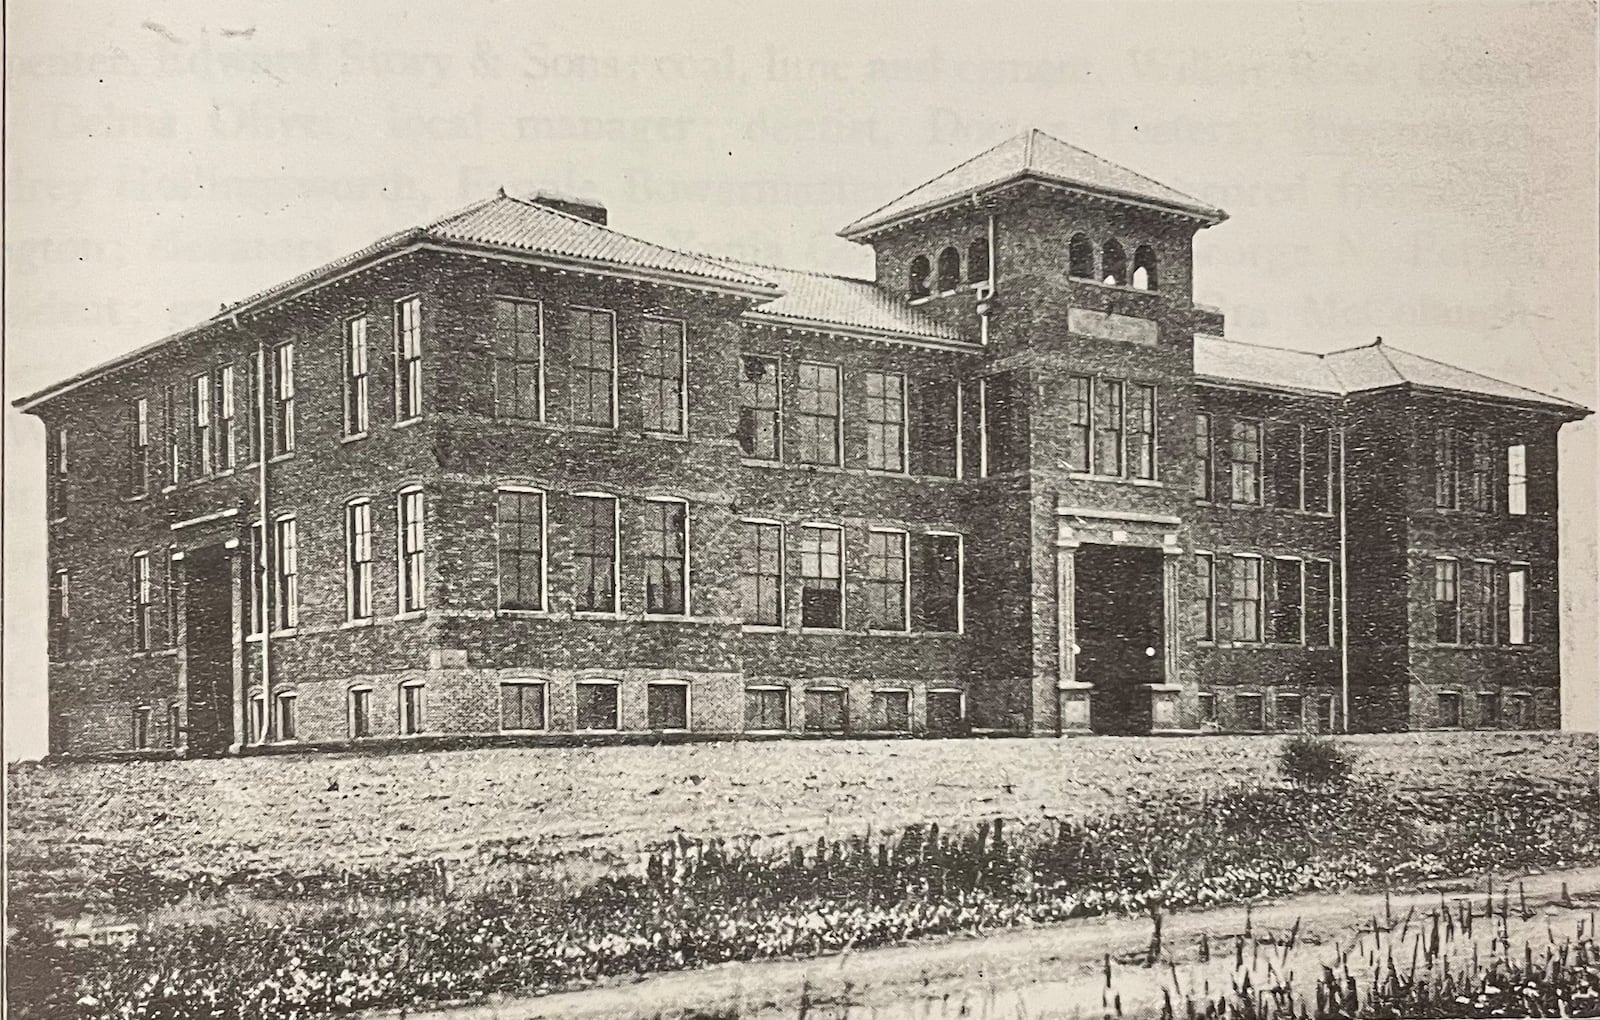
(844, 304)
(1037, 156)
(1364, 369)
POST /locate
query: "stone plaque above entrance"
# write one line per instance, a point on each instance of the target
(1111, 326)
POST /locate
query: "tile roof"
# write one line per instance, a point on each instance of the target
(1352, 370)
(1035, 155)
(824, 301)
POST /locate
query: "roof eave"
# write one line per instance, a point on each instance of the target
(860, 332)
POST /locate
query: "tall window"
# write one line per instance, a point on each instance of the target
(356, 377)
(518, 360)
(936, 415)
(360, 712)
(1319, 603)
(663, 379)
(1318, 468)
(666, 557)
(288, 715)
(139, 447)
(1246, 595)
(886, 580)
(597, 704)
(1079, 417)
(761, 573)
(1446, 602)
(358, 560)
(413, 578)
(1245, 455)
(253, 392)
(817, 415)
(594, 553)
(1286, 463)
(1478, 611)
(1288, 605)
(1517, 479)
(1204, 466)
(936, 583)
(1004, 403)
(60, 612)
(1107, 427)
(594, 366)
(226, 440)
(142, 598)
(821, 578)
(759, 429)
(949, 269)
(172, 599)
(1480, 473)
(258, 578)
(1449, 710)
(978, 261)
(141, 727)
(283, 402)
(917, 277)
(200, 425)
(522, 705)
(258, 718)
(169, 428)
(408, 359)
(519, 534)
(1080, 257)
(1142, 431)
(287, 554)
(1517, 605)
(1206, 595)
(886, 421)
(1446, 470)
(412, 708)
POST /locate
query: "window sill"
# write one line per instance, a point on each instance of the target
(762, 628)
(1122, 288)
(595, 614)
(1143, 483)
(592, 429)
(286, 632)
(522, 733)
(407, 422)
(597, 732)
(353, 438)
(280, 457)
(761, 462)
(364, 621)
(671, 437)
(523, 614)
(138, 497)
(164, 490)
(411, 614)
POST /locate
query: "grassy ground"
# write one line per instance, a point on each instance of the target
(78, 832)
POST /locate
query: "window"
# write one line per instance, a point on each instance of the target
(817, 415)
(1522, 715)
(891, 711)
(141, 728)
(287, 571)
(287, 716)
(1080, 257)
(937, 415)
(1446, 470)
(1144, 268)
(1517, 605)
(1113, 264)
(1107, 427)
(978, 261)
(522, 705)
(1449, 710)
(917, 277)
(174, 725)
(200, 425)
(886, 581)
(253, 392)
(1290, 712)
(1079, 419)
(1003, 400)
(825, 710)
(360, 712)
(766, 708)
(667, 705)
(169, 428)
(1517, 479)
(358, 560)
(1489, 709)
(1245, 458)
(1480, 476)
(594, 367)
(258, 718)
(1285, 462)
(594, 553)
(283, 403)
(1142, 431)
(60, 607)
(1478, 615)
(258, 578)
(663, 381)
(1204, 465)
(413, 578)
(949, 269)
(666, 557)
(227, 409)
(1288, 608)
(172, 598)
(356, 377)
(821, 578)
(413, 704)
(1206, 595)
(1446, 608)
(408, 359)
(946, 713)
(1248, 709)
(1206, 706)
(936, 583)
(1319, 603)
(761, 573)
(519, 538)
(1328, 714)
(518, 360)
(1318, 469)
(597, 702)
(1246, 595)
(141, 602)
(139, 447)
(759, 404)
(886, 421)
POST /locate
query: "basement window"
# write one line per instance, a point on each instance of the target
(667, 705)
(1247, 709)
(825, 710)
(141, 727)
(1449, 710)
(891, 711)
(288, 716)
(766, 709)
(1289, 712)
(597, 705)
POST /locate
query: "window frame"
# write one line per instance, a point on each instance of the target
(961, 580)
(518, 363)
(501, 605)
(285, 702)
(681, 380)
(905, 692)
(286, 574)
(826, 687)
(408, 360)
(412, 591)
(523, 683)
(357, 383)
(350, 700)
(1439, 703)
(808, 419)
(358, 593)
(283, 401)
(1237, 442)
(1329, 608)
(1447, 468)
(650, 557)
(781, 577)
(201, 460)
(775, 363)
(1516, 479)
(142, 718)
(1146, 435)
(225, 407)
(1103, 405)
(143, 588)
(1080, 434)
(838, 532)
(138, 480)
(880, 428)
(788, 706)
(616, 703)
(256, 718)
(616, 556)
(411, 721)
(688, 704)
(1203, 486)
(872, 584)
(1251, 698)
(1519, 610)
(1207, 595)
(1279, 716)
(1258, 617)
(1447, 577)
(1299, 574)
(586, 372)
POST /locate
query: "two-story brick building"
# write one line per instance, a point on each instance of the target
(514, 472)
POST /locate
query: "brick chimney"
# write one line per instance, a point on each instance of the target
(583, 208)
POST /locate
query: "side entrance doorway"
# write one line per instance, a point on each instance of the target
(1120, 624)
(208, 648)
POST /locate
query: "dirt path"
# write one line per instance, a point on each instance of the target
(1051, 971)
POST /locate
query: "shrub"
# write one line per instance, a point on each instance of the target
(1315, 761)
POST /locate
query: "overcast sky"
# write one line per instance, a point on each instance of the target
(1423, 172)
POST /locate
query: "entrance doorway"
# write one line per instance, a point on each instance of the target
(208, 644)
(1119, 625)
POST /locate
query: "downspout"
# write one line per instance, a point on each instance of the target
(1344, 593)
(266, 550)
(987, 289)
